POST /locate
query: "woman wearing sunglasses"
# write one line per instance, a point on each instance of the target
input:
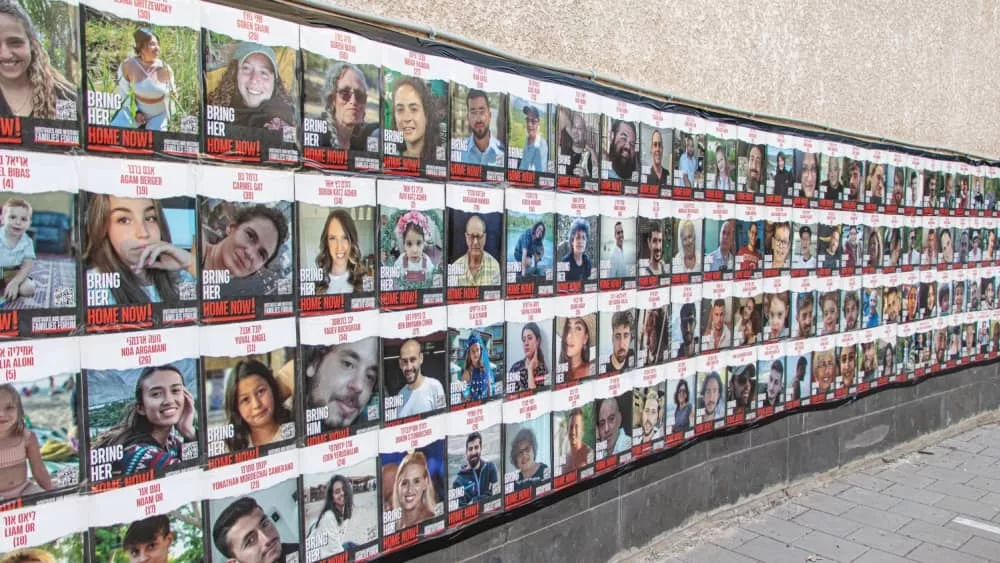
(346, 103)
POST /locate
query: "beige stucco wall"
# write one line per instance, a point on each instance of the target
(914, 71)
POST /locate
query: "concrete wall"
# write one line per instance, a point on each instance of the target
(920, 72)
(631, 510)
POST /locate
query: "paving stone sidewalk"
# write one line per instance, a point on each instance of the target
(940, 504)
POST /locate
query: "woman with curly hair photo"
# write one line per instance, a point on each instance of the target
(29, 85)
(253, 87)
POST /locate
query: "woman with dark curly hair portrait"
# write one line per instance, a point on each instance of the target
(252, 86)
(413, 115)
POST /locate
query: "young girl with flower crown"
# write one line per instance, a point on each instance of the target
(413, 234)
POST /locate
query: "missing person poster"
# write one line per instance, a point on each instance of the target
(476, 346)
(824, 366)
(805, 304)
(710, 413)
(576, 339)
(414, 364)
(805, 239)
(721, 167)
(413, 460)
(771, 390)
(831, 187)
(250, 68)
(47, 532)
(573, 435)
(530, 346)
(777, 241)
(741, 400)
(719, 241)
(806, 173)
(337, 244)
(777, 308)
(139, 244)
(527, 447)
(341, 100)
(620, 164)
(251, 403)
(531, 121)
(780, 189)
(415, 120)
(411, 244)
(680, 401)
(475, 463)
(41, 386)
(895, 182)
(748, 323)
(653, 327)
(852, 245)
(847, 363)
(143, 85)
(340, 373)
(143, 398)
(577, 242)
(246, 221)
(612, 411)
(689, 157)
(618, 243)
(798, 372)
(579, 131)
(616, 323)
(655, 234)
(716, 312)
(159, 519)
(530, 244)
(253, 510)
(38, 258)
(852, 176)
(478, 123)
(685, 308)
(686, 264)
(341, 498)
(474, 219)
(914, 182)
(649, 407)
(656, 141)
(749, 241)
(49, 121)
(751, 162)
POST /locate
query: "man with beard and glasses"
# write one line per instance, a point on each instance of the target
(622, 150)
(420, 394)
(341, 378)
(478, 477)
(481, 147)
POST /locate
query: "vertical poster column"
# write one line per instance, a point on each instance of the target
(780, 163)
(143, 398)
(618, 243)
(895, 179)
(710, 411)
(620, 150)
(751, 166)
(139, 241)
(530, 346)
(41, 381)
(415, 124)
(716, 312)
(411, 244)
(577, 240)
(741, 397)
(337, 243)
(476, 346)
(807, 173)
(852, 176)
(251, 403)
(531, 135)
(143, 87)
(798, 372)
(576, 339)
(252, 92)
(340, 366)
(831, 186)
(341, 100)
(530, 233)
(573, 435)
(256, 498)
(617, 325)
(719, 241)
(772, 387)
(341, 501)
(148, 518)
(680, 401)
(414, 364)
(655, 233)
(684, 320)
(748, 322)
(914, 182)
(653, 326)
(721, 168)
(412, 472)
(656, 141)
(527, 447)
(475, 463)
(579, 131)
(612, 411)
(686, 264)
(649, 408)
(689, 157)
(39, 265)
(777, 309)
(49, 122)
(824, 367)
(47, 531)
(804, 241)
(749, 241)
(247, 259)
(875, 193)
(777, 241)
(475, 249)
(478, 123)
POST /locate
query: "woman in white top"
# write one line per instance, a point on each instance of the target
(145, 83)
(328, 529)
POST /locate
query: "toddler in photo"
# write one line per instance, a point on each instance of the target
(413, 235)
(17, 251)
(18, 445)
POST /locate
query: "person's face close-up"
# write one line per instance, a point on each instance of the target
(254, 539)
(687, 241)
(156, 550)
(474, 452)
(579, 242)
(576, 338)
(479, 117)
(656, 246)
(413, 243)
(689, 146)
(249, 246)
(830, 316)
(344, 381)
(338, 494)
(351, 97)
(524, 454)
(255, 401)
(578, 130)
(531, 124)
(755, 164)
(855, 180)
(529, 343)
(255, 80)
(718, 318)
(751, 234)
(682, 394)
(650, 415)
(720, 160)
(825, 372)
(575, 431)
(777, 314)
(412, 487)
(163, 398)
(775, 383)
(338, 244)
(624, 142)
(779, 245)
(619, 235)
(15, 48)
(809, 174)
(8, 412)
(151, 51)
(410, 115)
(804, 317)
(622, 341)
(657, 147)
(833, 172)
(743, 389)
(609, 420)
(712, 394)
(851, 312)
(805, 240)
(410, 360)
(475, 237)
(878, 181)
(687, 329)
(475, 354)
(847, 364)
(726, 239)
(134, 224)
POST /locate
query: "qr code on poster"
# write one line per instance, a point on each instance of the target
(63, 297)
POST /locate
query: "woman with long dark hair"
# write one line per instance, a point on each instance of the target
(146, 84)
(529, 372)
(253, 406)
(329, 527)
(251, 242)
(30, 86)
(252, 86)
(414, 116)
(339, 255)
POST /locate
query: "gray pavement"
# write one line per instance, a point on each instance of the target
(940, 504)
